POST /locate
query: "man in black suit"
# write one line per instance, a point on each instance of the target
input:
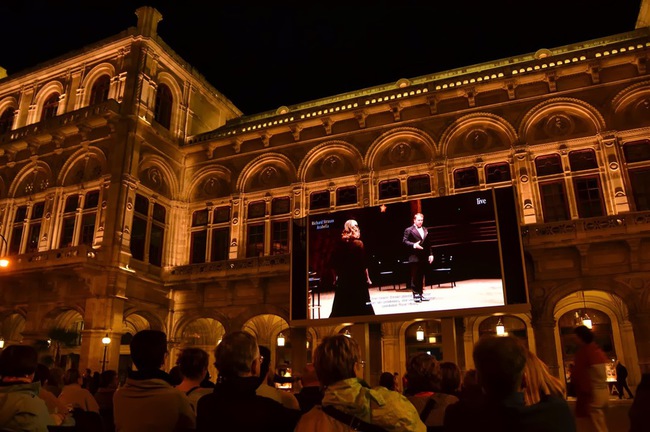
(420, 253)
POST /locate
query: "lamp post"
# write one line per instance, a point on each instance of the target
(4, 262)
(106, 341)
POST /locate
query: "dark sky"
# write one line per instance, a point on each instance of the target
(264, 54)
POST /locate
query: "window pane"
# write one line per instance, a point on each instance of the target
(390, 189)
(159, 213)
(465, 177)
(255, 245)
(256, 209)
(496, 173)
(200, 218)
(418, 185)
(637, 152)
(547, 165)
(280, 238)
(21, 214)
(319, 200)
(280, 206)
(640, 180)
(588, 197)
(32, 238)
(50, 107)
(16, 239)
(198, 245)
(222, 215)
(220, 244)
(71, 204)
(346, 195)
(99, 92)
(138, 235)
(554, 202)
(141, 205)
(581, 160)
(156, 245)
(67, 231)
(38, 210)
(88, 229)
(163, 109)
(6, 120)
(92, 200)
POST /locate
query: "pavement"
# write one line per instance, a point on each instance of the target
(616, 414)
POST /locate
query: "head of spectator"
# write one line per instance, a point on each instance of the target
(42, 373)
(387, 379)
(72, 376)
(175, 375)
(265, 356)
(337, 358)
(538, 381)
(108, 379)
(500, 362)
(18, 363)
(237, 356)
(449, 378)
(148, 350)
(193, 364)
(308, 378)
(470, 379)
(422, 374)
(584, 336)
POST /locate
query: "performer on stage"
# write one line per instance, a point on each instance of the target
(420, 253)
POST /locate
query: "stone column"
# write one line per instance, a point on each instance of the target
(641, 326)
(390, 347)
(449, 352)
(103, 316)
(298, 349)
(544, 329)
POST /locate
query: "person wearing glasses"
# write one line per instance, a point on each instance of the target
(348, 403)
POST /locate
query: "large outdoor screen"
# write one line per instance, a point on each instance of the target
(465, 258)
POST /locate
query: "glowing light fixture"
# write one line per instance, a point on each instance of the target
(4, 262)
(501, 329)
(419, 334)
(586, 321)
(2, 343)
(346, 333)
(433, 339)
(281, 340)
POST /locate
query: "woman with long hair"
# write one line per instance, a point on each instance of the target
(538, 382)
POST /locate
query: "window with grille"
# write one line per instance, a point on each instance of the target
(548, 165)
(346, 195)
(420, 184)
(100, 89)
(210, 235)
(164, 103)
(20, 217)
(640, 182)
(148, 231)
(554, 203)
(588, 197)
(255, 241)
(280, 206)
(69, 220)
(256, 209)
(280, 237)
(465, 177)
(50, 107)
(498, 172)
(319, 200)
(637, 151)
(390, 189)
(581, 160)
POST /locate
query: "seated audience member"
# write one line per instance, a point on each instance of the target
(147, 402)
(423, 390)
(193, 365)
(387, 379)
(266, 374)
(449, 378)
(54, 383)
(311, 393)
(538, 382)
(20, 407)
(108, 382)
(234, 405)
(74, 396)
(346, 402)
(470, 389)
(500, 362)
(640, 410)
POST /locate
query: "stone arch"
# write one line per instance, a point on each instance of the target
(62, 317)
(267, 171)
(83, 166)
(400, 147)
(477, 133)
(32, 179)
(92, 76)
(330, 159)
(560, 119)
(472, 324)
(155, 173)
(3, 188)
(631, 107)
(209, 314)
(138, 319)
(177, 94)
(266, 328)
(41, 97)
(8, 102)
(12, 326)
(210, 182)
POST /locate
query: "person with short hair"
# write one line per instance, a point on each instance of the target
(500, 362)
(20, 407)
(266, 389)
(346, 401)
(108, 382)
(234, 405)
(420, 253)
(311, 393)
(74, 396)
(193, 366)
(387, 379)
(147, 402)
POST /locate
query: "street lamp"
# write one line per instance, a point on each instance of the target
(2, 342)
(106, 341)
(4, 262)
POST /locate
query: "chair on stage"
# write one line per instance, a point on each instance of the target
(442, 271)
(384, 274)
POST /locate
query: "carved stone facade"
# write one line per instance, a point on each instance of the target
(134, 195)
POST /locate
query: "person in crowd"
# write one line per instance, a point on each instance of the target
(175, 376)
(387, 379)
(193, 365)
(420, 253)
(570, 390)
(424, 390)
(640, 410)
(108, 381)
(449, 378)
(234, 405)
(500, 363)
(54, 383)
(539, 383)
(350, 263)
(147, 402)
(94, 382)
(57, 409)
(74, 396)
(20, 407)
(288, 400)
(207, 381)
(311, 393)
(590, 382)
(346, 402)
(398, 382)
(470, 389)
(86, 379)
(621, 380)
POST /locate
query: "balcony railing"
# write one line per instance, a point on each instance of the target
(58, 257)
(230, 268)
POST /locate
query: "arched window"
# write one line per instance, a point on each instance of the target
(99, 91)
(164, 101)
(50, 107)
(6, 120)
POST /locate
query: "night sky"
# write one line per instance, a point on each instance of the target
(263, 54)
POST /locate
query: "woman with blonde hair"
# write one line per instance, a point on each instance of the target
(538, 382)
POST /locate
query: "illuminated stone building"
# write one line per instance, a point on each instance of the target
(134, 195)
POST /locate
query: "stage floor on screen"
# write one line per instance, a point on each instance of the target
(466, 294)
